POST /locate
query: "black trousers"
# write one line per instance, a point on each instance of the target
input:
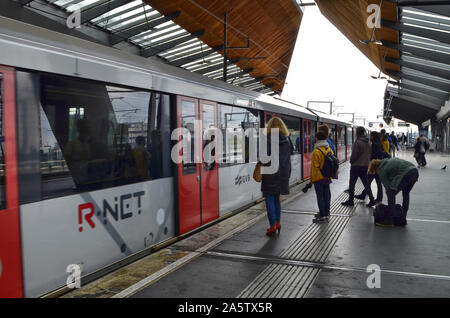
(406, 185)
(421, 161)
(355, 173)
(370, 178)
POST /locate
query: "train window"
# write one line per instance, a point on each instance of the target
(312, 137)
(349, 136)
(293, 125)
(234, 119)
(208, 122)
(188, 116)
(2, 151)
(96, 136)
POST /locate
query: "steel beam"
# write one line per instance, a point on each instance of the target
(421, 3)
(135, 30)
(418, 102)
(438, 9)
(426, 81)
(429, 55)
(154, 50)
(117, 14)
(194, 57)
(102, 8)
(425, 24)
(238, 74)
(116, 25)
(426, 33)
(424, 98)
(443, 96)
(438, 72)
(416, 15)
(209, 69)
(428, 46)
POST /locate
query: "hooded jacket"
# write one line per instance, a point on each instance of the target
(377, 150)
(321, 149)
(278, 183)
(361, 152)
(392, 171)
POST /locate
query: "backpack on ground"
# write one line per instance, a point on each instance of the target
(382, 216)
(330, 166)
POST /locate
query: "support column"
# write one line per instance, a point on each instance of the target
(225, 41)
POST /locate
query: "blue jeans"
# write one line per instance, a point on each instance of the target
(273, 206)
(323, 195)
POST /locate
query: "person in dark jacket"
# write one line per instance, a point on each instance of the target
(273, 185)
(419, 153)
(377, 153)
(394, 143)
(396, 175)
(359, 161)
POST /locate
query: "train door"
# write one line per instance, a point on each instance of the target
(341, 149)
(308, 146)
(10, 253)
(198, 188)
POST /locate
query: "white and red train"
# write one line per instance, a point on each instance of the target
(86, 175)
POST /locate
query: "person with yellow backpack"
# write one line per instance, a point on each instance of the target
(321, 183)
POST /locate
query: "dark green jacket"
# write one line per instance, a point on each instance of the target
(392, 172)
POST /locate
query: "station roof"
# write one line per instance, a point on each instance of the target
(190, 34)
(411, 47)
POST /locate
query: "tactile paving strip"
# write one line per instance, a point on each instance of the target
(314, 245)
(281, 281)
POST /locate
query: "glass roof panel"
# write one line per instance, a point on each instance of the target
(82, 5)
(136, 13)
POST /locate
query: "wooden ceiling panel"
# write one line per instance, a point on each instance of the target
(272, 27)
(350, 17)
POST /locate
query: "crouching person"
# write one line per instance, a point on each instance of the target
(396, 175)
(321, 183)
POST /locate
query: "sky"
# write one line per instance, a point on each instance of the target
(326, 66)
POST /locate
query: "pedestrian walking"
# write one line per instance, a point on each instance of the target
(426, 145)
(385, 141)
(393, 144)
(321, 183)
(377, 153)
(419, 152)
(359, 161)
(396, 175)
(273, 185)
(404, 141)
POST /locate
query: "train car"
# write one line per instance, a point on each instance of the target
(87, 138)
(339, 134)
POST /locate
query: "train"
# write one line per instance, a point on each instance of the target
(86, 174)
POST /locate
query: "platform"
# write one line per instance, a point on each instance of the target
(234, 258)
